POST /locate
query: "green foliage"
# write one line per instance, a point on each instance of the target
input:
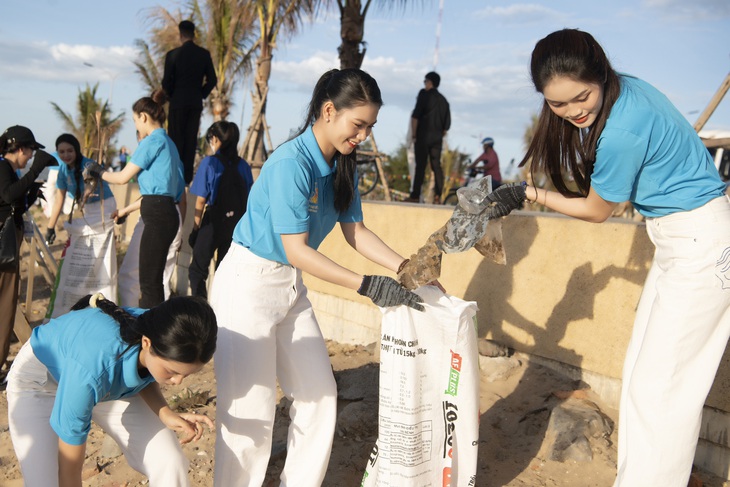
(396, 169)
(224, 27)
(93, 124)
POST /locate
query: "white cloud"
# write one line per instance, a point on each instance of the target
(521, 13)
(41, 61)
(691, 9)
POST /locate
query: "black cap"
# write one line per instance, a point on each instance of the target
(22, 137)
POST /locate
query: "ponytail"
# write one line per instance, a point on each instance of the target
(182, 329)
(229, 135)
(345, 88)
(154, 106)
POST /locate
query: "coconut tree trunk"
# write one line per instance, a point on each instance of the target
(352, 30)
(220, 105)
(254, 149)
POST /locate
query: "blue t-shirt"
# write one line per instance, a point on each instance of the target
(294, 193)
(162, 169)
(205, 183)
(649, 154)
(66, 180)
(85, 354)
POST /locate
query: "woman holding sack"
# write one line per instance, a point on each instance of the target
(268, 330)
(17, 147)
(618, 138)
(70, 178)
(93, 222)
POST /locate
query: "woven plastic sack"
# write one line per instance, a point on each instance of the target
(428, 429)
(89, 261)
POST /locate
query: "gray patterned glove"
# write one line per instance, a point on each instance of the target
(386, 291)
(507, 197)
(92, 171)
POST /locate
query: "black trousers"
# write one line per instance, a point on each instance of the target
(182, 127)
(161, 222)
(426, 153)
(208, 242)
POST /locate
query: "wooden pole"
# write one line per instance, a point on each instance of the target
(381, 173)
(714, 102)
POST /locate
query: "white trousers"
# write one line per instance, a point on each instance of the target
(128, 280)
(149, 447)
(267, 330)
(680, 333)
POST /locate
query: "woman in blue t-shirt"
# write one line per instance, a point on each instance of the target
(617, 138)
(104, 363)
(217, 214)
(70, 178)
(95, 219)
(267, 327)
(159, 172)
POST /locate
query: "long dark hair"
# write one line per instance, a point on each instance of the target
(182, 329)
(346, 88)
(228, 134)
(74, 142)
(560, 149)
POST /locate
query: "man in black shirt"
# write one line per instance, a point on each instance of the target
(188, 80)
(430, 121)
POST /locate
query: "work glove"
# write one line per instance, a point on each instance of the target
(50, 236)
(193, 237)
(42, 160)
(92, 171)
(386, 291)
(504, 199)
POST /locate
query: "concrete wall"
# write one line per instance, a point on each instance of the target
(568, 292)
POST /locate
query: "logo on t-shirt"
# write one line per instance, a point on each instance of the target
(314, 199)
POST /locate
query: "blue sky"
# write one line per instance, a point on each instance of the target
(680, 46)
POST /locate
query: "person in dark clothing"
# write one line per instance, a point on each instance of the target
(188, 79)
(430, 121)
(221, 187)
(17, 145)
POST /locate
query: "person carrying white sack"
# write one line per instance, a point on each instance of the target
(268, 330)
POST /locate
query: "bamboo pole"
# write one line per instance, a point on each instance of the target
(381, 173)
(714, 102)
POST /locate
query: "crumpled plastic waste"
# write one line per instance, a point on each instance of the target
(468, 227)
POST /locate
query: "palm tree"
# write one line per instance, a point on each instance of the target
(93, 125)
(352, 28)
(274, 18)
(223, 27)
(148, 65)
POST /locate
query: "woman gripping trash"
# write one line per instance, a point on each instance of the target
(94, 223)
(618, 138)
(104, 363)
(68, 150)
(268, 330)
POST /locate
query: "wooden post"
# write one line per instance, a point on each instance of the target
(381, 173)
(31, 279)
(21, 327)
(710, 109)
